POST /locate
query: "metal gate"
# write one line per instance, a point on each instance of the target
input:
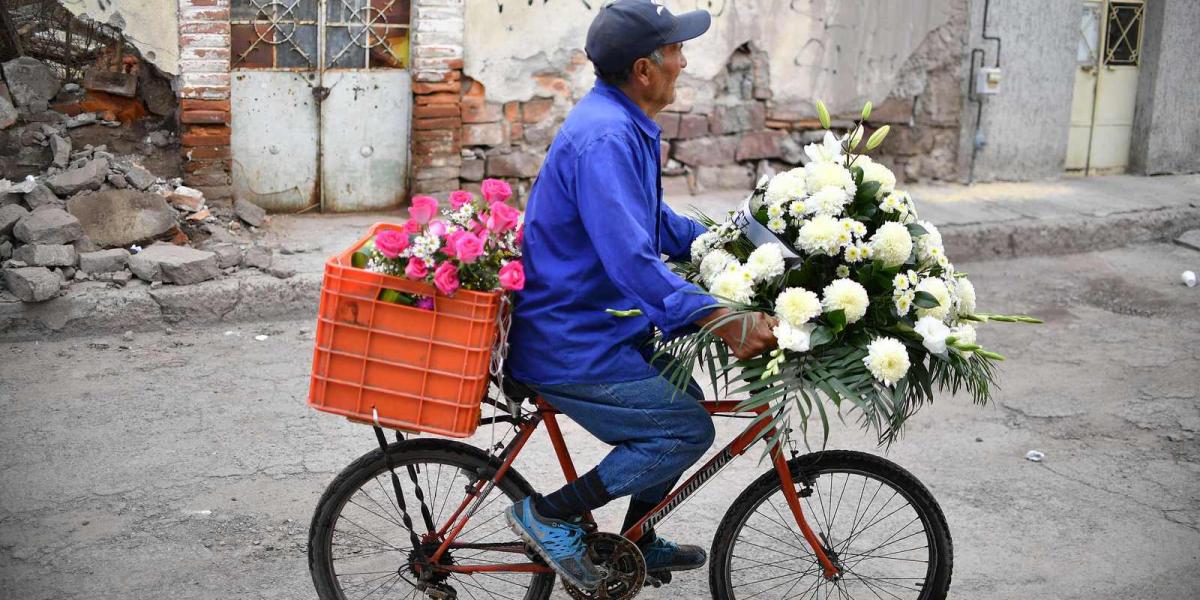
(321, 103)
(1106, 79)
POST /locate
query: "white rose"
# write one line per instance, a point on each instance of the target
(797, 306)
(848, 296)
(933, 334)
(887, 359)
(766, 262)
(796, 339)
(891, 244)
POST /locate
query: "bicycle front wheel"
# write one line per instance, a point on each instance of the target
(359, 548)
(879, 524)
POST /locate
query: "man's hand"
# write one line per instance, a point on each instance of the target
(757, 336)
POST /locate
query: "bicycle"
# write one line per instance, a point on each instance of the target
(863, 555)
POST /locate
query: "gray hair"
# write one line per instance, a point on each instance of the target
(621, 78)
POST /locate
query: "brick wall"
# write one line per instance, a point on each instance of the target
(203, 88)
(438, 95)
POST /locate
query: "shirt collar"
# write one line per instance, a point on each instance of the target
(644, 122)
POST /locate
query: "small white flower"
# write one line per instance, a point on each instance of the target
(778, 225)
(936, 287)
(797, 306)
(887, 359)
(965, 333)
(892, 244)
(853, 254)
(900, 281)
(715, 263)
(792, 337)
(774, 211)
(933, 334)
(858, 229)
(904, 302)
(786, 187)
(929, 246)
(823, 175)
(796, 209)
(966, 296)
(820, 235)
(735, 284)
(890, 204)
(766, 262)
(848, 296)
(842, 271)
(702, 245)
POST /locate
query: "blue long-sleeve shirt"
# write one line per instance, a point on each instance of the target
(596, 228)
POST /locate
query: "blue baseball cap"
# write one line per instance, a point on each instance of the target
(626, 30)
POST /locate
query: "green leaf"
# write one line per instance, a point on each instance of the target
(916, 230)
(837, 320)
(926, 300)
(396, 297)
(820, 336)
(359, 260)
(858, 174)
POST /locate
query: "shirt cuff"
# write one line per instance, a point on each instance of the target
(684, 307)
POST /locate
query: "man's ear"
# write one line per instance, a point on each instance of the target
(641, 71)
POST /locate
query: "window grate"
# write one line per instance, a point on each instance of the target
(1124, 35)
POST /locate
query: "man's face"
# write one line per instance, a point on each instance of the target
(662, 80)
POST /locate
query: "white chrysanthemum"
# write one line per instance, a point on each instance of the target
(796, 209)
(735, 284)
(842, 271)
(965, 333)
(900, 281)
(891, 204)
(887, 359)
(965, 291)
(873, 171)
(829, 201)
(829, 150)
(766, 262)
(892, 244)
(854, 253)
(777, 225)
(929, 245)
(774, 211)
(786, 186)
(715, 263)
(933, 334)
(822, 175)
(702, 245)
(797, 306)
(858, 228)
(793, 337)
(820, 235)
(937, 288)
(848, 296)
(903, 301)
(944, 263)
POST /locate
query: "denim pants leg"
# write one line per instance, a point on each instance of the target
(657, 430)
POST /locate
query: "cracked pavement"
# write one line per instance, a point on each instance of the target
(185, 464)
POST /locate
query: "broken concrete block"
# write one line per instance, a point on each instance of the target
(6, 249)
(80, 120)
(60, 149)
(32, 284)
(174, 264)
(8, 113)
(30, 81)
(186, 198)
(119, 218)
(137, 176)
(48, 226)
(228, 255)
(88, 177)
(118, 181)
(46, 255)
(1189, 239)
(256, 257)
(249, 212)
(10, 214)
(42, 196)
(104, 261)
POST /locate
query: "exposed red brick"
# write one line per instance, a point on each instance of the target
(535, 110)
(207, 152)
(555, 85)
(442, 123)
(477, 110)
(808, 124)
(442, 98)
(776, 124)
(205, 92)
(512, 111)
(436, 110)
(474, 90)
(205, 135)
(206, 166)
(206, 179)
(193, 104)
(436, 88)
(204, 27)
(206, 13)
(204, 116)
(189, 3)
(438, 135)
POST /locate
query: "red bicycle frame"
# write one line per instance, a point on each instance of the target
(546, 413)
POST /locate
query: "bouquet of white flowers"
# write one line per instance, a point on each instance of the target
(872, 315)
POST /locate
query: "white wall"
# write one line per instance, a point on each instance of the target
(152, 26)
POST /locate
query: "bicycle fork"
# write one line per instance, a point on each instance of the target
(788, 485)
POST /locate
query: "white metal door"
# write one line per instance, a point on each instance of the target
(321, 103)
(1105, 86)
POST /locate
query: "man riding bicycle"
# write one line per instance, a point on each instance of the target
(595, 231)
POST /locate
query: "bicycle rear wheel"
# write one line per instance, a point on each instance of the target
(876, 521)
(358, 548)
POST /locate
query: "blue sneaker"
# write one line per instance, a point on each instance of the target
(559, 542)
(662, 555)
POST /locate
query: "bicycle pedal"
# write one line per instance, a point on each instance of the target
(657, 579)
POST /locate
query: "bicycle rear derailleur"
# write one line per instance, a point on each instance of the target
(623, 562)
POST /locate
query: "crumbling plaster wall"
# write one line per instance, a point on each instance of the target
(151, 25)
(1166, 127)
(842, 51)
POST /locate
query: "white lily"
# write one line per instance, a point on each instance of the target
(829, 150)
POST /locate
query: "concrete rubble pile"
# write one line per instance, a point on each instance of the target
(83, 212)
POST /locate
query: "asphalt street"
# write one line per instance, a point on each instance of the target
(185, 464)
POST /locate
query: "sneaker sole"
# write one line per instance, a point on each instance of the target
(523, 533)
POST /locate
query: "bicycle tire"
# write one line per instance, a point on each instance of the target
(938, 573)
(463, 457)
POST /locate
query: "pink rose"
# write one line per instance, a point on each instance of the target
(412, 226)
(425, 303)
(446, 278)
(512, 276)
(502, 217)
(451, 240)
(438, 228)
(416, 269)
(520, 235)
(423, 208)
(495, 190)
(468, 247)
(391, 243)
(459, 198)
(479, 228)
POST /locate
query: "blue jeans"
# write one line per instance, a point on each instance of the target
(657, 430)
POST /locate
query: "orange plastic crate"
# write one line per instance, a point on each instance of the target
(418, 370)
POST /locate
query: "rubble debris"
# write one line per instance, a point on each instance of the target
(41, 196)
(33, 284)
(8, 113)
(256, 257)
(117, 180)
(87, 177)
(31, 83)
(249, 212)
(137, 176)
(186, 198)
(1189, 239)
(48, 226)
(46, 255)
(10, 214)
(119, 218)
(104, 261)
(174, 264)
(60, 150)
(228, 255)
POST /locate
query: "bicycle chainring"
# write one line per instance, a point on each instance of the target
(625, 565)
